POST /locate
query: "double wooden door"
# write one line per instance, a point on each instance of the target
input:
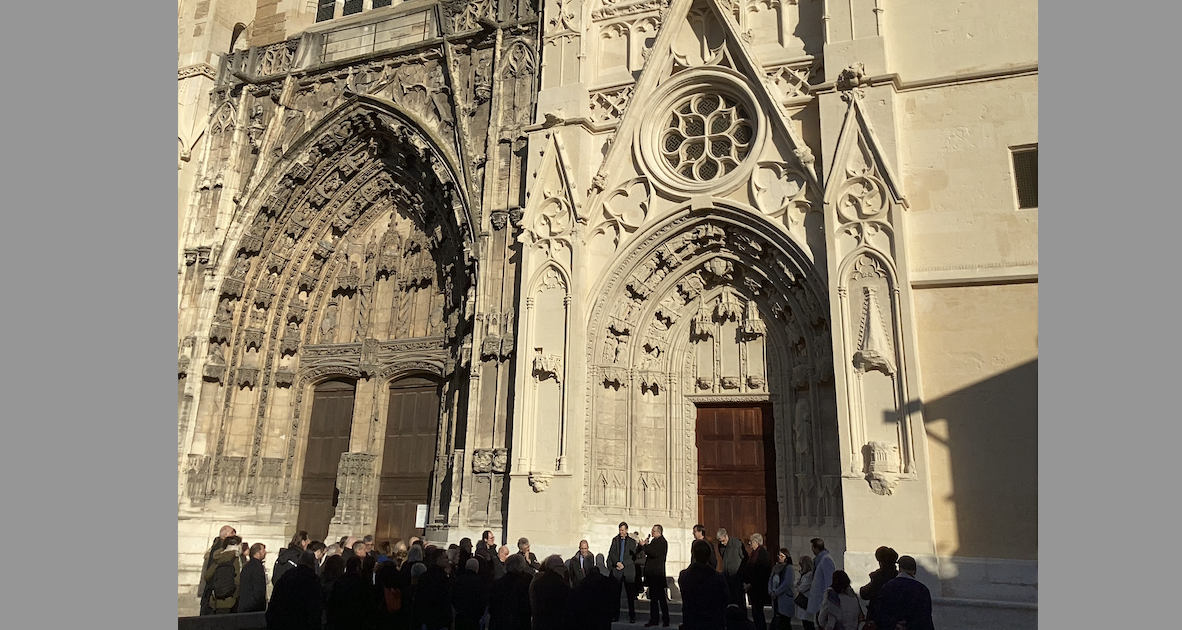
(412, 428)
(736, 472)
(328, 437)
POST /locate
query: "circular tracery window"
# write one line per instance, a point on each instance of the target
(707, 137)
(704, 134)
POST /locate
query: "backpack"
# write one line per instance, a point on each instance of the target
(225, 581)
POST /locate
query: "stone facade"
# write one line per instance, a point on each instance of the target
(585, 218)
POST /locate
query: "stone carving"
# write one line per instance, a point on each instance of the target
(882, 467)
(705, 382)
(540, 481)
(625, 209)
(802, 430)
(615, 376)
(247, 376)
(756, 381)
(190, 257)
(328, 325)
(498, 219)
(853, 76)
(777, 189)
(875, 348)
(607, 106)
(651, 381)
(702, 325)
(291, 340)
(794, 82)
(730, 382)
(753, 325)
(500, 462)
(728, 306)
(284, 377)
(482, 459)
(547, 365)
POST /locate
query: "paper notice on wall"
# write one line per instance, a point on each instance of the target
(421, 516)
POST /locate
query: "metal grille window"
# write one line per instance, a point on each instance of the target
(1026, 176)
(325, 10)
(377, 4)
(352, 6)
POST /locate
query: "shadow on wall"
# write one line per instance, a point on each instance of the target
(985, 438)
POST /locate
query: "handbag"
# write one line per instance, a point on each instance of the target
(801, 600)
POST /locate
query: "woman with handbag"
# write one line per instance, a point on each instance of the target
(779, 587)
(840, 610)
(804, 584)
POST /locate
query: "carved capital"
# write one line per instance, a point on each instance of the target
(540, 482)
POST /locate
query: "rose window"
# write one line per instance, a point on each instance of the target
(707, 136)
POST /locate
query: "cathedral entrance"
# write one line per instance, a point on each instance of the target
(412, 427)
(328, 437)
(736, 472)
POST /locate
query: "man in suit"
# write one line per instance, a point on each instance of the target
(581, 563)
(621, 560)
(734, 561)
(905, 599)
(656, 548)
(700, 534)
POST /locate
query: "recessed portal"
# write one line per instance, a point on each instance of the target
(736, 472)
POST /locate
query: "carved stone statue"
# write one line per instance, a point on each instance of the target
(802, 430)
(328, 325)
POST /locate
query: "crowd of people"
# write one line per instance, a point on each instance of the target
(352, 584)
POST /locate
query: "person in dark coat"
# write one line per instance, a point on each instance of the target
(433, 595)
(295, 602)
(704, 592)
(759, 571)
(288, 557)
(395, 595)
(469, 596)
(486, 547)
(223, 577)
(734, 560)
(351, 605)
(253, 581)
(885, 572)
(905, 599)
(548, 594)
(621, 562)
(589, 606)
(578, 566)
(700, 534)
(508, 600)
(498, 562)
(530, 559)
(203, 587)
(333, 569)
(656, 549)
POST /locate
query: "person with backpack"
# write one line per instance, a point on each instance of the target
(214, 548)
(840, 608)
(222, 576)
(289, 557)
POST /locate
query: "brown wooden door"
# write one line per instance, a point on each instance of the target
(412, 427)
(328, 437)
(736, 472)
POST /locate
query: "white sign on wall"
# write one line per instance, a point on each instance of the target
(421, 516)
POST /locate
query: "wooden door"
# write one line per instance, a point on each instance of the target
(736, 473)
(412, 427)
(328, 437)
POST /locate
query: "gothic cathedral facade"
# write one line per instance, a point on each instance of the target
(541, 266)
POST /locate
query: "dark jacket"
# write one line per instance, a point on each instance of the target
(508, 606)
(878, 578)
(203, 585)
(432, 604)
(904, 599)
(628, 559)
(575, 571)
(351, 604)
(759, 571)
(531, 561)
(734, 565)
(252, 587)
(655, 553)
(592, 603)
(225, 568)
(713, 561)
(547, 598)
(498, 567)
(469, 597)
(286, 560)
(704, 598)
(295, 602)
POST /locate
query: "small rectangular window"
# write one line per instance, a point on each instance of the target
(325, 11)
(352, 6)
(1026, 175)
(377, 4)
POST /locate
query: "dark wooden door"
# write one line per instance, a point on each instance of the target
(328, 437)
(412, 427)
(736, 473)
